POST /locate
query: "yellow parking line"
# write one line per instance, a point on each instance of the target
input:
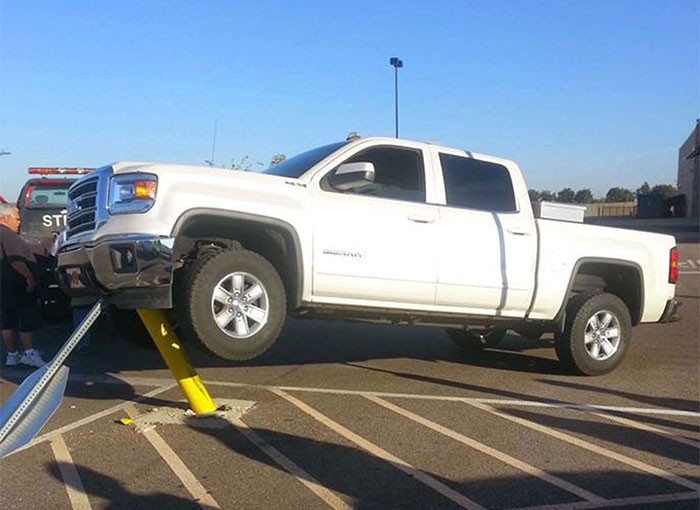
(641, 466)
(71, 479)
(492, 452)
(93, 417)
(375, 450)
(618, 502)
(196, 489)
(648, 428)
(302, 476)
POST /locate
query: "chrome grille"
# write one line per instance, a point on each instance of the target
(82, 206)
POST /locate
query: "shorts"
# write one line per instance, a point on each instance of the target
(23, 316)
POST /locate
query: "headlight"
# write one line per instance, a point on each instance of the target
(132, 193)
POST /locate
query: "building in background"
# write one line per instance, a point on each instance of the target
(688, 170)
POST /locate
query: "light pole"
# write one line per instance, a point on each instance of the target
(396, 62)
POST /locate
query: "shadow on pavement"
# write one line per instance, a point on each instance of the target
(118, 497)
(675, 403)
(304, 342)
(370, 482)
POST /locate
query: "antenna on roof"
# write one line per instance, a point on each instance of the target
(210, 162)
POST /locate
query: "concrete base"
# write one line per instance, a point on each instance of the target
(227, 411)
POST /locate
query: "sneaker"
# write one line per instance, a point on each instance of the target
(12, 359)
(32, 358)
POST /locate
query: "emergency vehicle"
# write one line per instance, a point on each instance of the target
(42, 211)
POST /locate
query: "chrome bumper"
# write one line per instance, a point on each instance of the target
(132, 271)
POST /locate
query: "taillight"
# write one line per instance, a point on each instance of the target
(673, 266)
(28, 195)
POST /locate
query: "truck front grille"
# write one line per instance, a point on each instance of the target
(82, 206)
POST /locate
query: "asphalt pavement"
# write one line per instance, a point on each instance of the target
(347, 415)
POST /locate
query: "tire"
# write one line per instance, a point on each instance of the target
(235, 304)
(471, 340)
(597, 334)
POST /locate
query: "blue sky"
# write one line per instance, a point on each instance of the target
(584, 94)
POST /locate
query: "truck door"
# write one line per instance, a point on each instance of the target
(488, 247)
(376, 242)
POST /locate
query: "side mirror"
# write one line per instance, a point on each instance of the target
(352, 175)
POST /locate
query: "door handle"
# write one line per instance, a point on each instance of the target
(421, 219)
(518, 232)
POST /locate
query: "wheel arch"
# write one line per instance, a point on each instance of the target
(274, 239)
(620, 277)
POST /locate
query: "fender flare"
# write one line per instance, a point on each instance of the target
(275, 223)
(561, 313)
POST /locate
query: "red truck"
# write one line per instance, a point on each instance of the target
(42, 211)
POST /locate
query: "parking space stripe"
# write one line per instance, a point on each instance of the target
(375, 450)
(641, 466)
(648, 428)
(175, 463)
(302, 476)
(166, 383)
(93, 417)
(447, 398)
(492, 452)
(619, 502)
(71, 478)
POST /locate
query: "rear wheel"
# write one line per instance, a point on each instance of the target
(597, 334)
(471, 340)
(235, 304)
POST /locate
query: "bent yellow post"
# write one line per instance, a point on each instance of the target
(174, 355)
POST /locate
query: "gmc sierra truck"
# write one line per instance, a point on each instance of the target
(375, 229)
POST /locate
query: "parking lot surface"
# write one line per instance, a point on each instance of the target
(343, 415)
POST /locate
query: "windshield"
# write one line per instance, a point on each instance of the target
(47, 194)
(297, 165)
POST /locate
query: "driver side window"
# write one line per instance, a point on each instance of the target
(398, 174)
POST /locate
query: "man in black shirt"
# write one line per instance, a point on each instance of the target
(20, 314)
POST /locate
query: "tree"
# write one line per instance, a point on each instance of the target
(619, 195)
(241, 164)
(277, 159)
(667, 190)
(566, 196)
(547, 196)
(534, 195)
(643, 189)
(583, 196)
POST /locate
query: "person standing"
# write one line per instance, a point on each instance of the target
(20, 314)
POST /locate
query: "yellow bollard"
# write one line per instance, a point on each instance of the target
(174, 355)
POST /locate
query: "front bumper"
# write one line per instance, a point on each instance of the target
(671, 312)
(134, 271)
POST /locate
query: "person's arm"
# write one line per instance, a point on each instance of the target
(21, 268)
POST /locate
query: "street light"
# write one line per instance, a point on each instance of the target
(396, 62)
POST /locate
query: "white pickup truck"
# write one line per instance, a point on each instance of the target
(376, 229)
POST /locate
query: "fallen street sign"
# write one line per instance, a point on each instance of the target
(40, 394)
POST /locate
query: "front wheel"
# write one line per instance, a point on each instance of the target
(597, 334)
(235, 304)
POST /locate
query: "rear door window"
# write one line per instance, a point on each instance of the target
(474, 184)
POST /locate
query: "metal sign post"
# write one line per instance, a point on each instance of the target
(40, 394)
